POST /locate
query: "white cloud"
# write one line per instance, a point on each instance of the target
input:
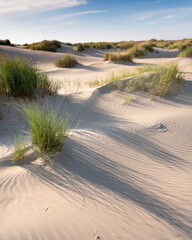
(146, 3)
(24, 7)
(75, 14)
(164, 14)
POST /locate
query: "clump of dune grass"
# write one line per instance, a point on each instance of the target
(67, 61)
(97, 45)
(45, 45)
(5, 42)
(187, 52)
(49, 128)
(48, 86)
(127, 98)
(20, 78)
(80, 47)
(20, 148)
(94, 83)
(112, 77)
(157, 81)
(136, 50)
(117, 57)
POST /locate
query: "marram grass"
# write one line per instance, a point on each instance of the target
(187, 52)
(67, 61)
(157, 81)
(20, 148)
(19, 77)
(49, 128)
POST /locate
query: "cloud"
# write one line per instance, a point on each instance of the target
(75, 14)
(164, 14)
(25, 7)
(146, 3)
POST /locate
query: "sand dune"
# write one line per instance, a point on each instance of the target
(125, 174)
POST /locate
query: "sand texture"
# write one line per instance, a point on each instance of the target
(125, 174)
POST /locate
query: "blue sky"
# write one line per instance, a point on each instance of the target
(94, 20)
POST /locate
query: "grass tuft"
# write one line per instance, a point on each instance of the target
(67, 61)
(117, 57)
(20, 148)
(49, 128)
(127, 98)
(20, 78)
(187, 52)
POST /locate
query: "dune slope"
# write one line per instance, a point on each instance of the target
(125, 174)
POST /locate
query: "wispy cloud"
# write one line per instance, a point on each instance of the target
(164, 14)
(148, 3)
(75, 14)
(24, 7)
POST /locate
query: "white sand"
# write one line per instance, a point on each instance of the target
(125, 174)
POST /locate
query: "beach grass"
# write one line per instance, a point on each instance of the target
(49, 128)
(20, 148)
(117, 57)
(187, 52)
(96, 45)
(19, 77)
(136, 50)
(67, 61)
(155, 80)
(45, 45)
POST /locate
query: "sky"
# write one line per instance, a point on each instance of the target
(27, 21)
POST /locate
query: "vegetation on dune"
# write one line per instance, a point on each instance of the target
(45, 45)
(20, 78)
(98, 45)
(187, 52)
(49, 128)
(155, 80)
(159, 81)
(5, 42)
(20, 148)
(134, 51)
(111, 77)
(125, 45)
(117, 57)
(66, 61)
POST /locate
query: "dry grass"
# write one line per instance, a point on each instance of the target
(187, 52)
(45, 45)
(67, 61)
(157, 81)
(136, 50)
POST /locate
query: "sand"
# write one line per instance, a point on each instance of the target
(125, 174)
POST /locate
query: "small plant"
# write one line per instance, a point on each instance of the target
(80, 47)
(20, 148)
(187, 52)
(48, 127)
(95, 83)
(127, 98)
(48, 86)
(67, 61)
